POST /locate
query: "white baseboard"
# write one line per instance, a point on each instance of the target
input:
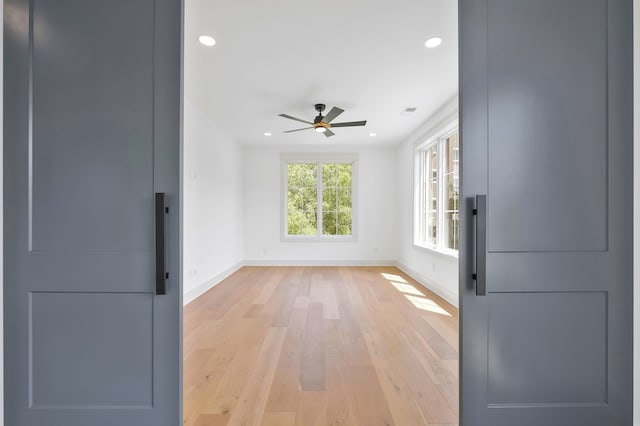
(193, 294)
(330, 262)
(429, 284)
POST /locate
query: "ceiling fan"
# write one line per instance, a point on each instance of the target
(322, 124)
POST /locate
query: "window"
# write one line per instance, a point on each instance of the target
(437, 188)
(319, 199)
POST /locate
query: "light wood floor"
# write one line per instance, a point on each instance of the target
(320, 346)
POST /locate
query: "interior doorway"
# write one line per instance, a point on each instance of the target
(304, 291)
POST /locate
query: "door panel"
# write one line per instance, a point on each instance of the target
(555, 358)
(547, 106)
(92, 132)
(546, 134)
(70, 335)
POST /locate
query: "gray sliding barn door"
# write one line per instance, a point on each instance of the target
(547, 134)
(91, 133)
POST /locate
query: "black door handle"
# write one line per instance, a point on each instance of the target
(161, 245)
(480, 276)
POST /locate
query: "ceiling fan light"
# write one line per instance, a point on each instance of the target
(321, 129)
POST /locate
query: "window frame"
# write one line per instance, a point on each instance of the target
(437, 139)
(319, 160)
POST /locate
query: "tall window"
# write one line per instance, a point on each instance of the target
(319, 199)
(437, 188)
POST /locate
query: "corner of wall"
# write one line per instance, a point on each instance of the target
(212, 202)
(438, 289)
(193, 294)
(435, 271)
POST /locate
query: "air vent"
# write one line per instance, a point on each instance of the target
(409, 110)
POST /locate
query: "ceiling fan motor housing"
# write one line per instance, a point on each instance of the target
(319, 123)
(319, 118)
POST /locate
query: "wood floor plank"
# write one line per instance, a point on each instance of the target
(433, 405)
(312, 371)
(436, 368)
(444, 329)
(312, 409)
(321, 291)
(279, 419)
(254, 311)
(231, 385)
(333, 341)
(435, 340)
(354, 344)
(342, 406)
(267, 289)
(396, 389)
(196, 400)
(304, 288)
(291, 355)
(211, 420)
(284, 394)
(284, 306)
(372, 405)
(320, 346)
(301, 302)
(253, 399)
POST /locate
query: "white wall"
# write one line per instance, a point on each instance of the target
(436, 270)
(212, 203)
(376, 210)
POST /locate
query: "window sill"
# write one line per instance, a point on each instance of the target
(449, 254)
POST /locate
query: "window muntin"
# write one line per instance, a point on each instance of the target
(437, 224)
(319, 199)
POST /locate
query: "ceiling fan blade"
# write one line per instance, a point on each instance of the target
(297, 130)
(328, 133)
(293, 118)
(335, 111)
(350, 124)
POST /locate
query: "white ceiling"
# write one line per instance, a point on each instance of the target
(282, 56)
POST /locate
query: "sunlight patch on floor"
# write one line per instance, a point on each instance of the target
(406, 288)
(427, 305)
(415, 296)
(393, 277)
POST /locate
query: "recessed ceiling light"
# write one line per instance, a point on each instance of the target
(267, 133)
(207, 40)
(433, 42)
(372, 134)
